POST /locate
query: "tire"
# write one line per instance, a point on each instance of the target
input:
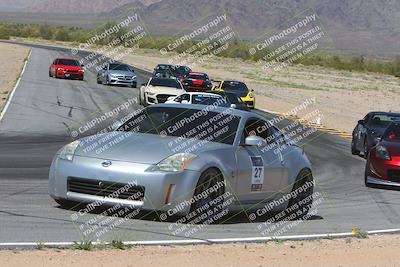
(366, 148)
(107, 82)
(66, 204)
(300, 206)
(366, 174)
(354, 150)
(50, 73)
(207, 180)
(98, 81)
(140, 98)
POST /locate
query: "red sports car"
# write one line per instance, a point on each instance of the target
(197, 82)
(383, 164)
(66, 68)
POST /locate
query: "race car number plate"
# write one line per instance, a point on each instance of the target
(257, 174)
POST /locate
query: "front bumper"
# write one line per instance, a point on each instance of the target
(383, 173)
(249, 103)
(123, 81)
(157, 98)
(70, 75)
(179, 186)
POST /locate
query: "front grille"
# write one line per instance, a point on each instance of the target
(163, 98)
(394, 176)
(105, 189)
(73, 76)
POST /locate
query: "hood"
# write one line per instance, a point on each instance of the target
(122, 72)
(239, 93)
(136, 147)
(68, 67)
(393, 146)
(164, 90)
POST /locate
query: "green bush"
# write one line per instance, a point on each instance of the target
(236, 49)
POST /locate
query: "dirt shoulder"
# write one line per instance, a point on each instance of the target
(371, 251)
(13, 58)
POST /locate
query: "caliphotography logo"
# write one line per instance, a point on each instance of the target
(218, 133)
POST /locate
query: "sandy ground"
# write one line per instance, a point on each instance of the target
(372, 251)
(342, 97)
(13, 57)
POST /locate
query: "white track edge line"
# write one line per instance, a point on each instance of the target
(15, 87)
(204, 241)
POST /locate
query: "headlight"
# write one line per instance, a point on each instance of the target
(175, 163)
(61, 69)
(150, 93)
(251, 95)
(113, 75)
(134, 78)
(382, 153)
(68, 151)
(82, 70)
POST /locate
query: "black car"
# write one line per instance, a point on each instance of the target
(369, 130)
(232, 98)
(180, 72)
(163, 71)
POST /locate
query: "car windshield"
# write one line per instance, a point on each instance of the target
(383, 120)
(163, 67)
(182, 69)
(68, 62)
(392, 132)
(182, 122)
(207, 99)
(119, 67)
(235, 86)
(165, 83)
(233, 99)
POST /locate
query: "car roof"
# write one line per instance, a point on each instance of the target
(232, 81)
(66, 58)
(384, 113)
(236, 112)
(200, 93)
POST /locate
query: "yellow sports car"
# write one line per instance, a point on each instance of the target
(240, 89)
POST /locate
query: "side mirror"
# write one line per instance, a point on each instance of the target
(362, 122)
(82, 65)
(233, 106)
(254, 140)
(144, 84)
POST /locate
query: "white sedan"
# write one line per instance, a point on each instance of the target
(198, 98)
(158, 90)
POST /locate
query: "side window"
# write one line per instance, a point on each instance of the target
(277, 136)
(366, 118)
(256, 127)
(186, 97)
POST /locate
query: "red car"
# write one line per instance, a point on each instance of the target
(197, 82)
(383, 164)
(66, 68)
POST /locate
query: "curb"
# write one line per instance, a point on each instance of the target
(188, 242)
(320, 127)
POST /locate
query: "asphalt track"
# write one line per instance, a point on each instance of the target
(44, 111)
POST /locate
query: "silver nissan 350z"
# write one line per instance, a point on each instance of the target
(176, 159)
